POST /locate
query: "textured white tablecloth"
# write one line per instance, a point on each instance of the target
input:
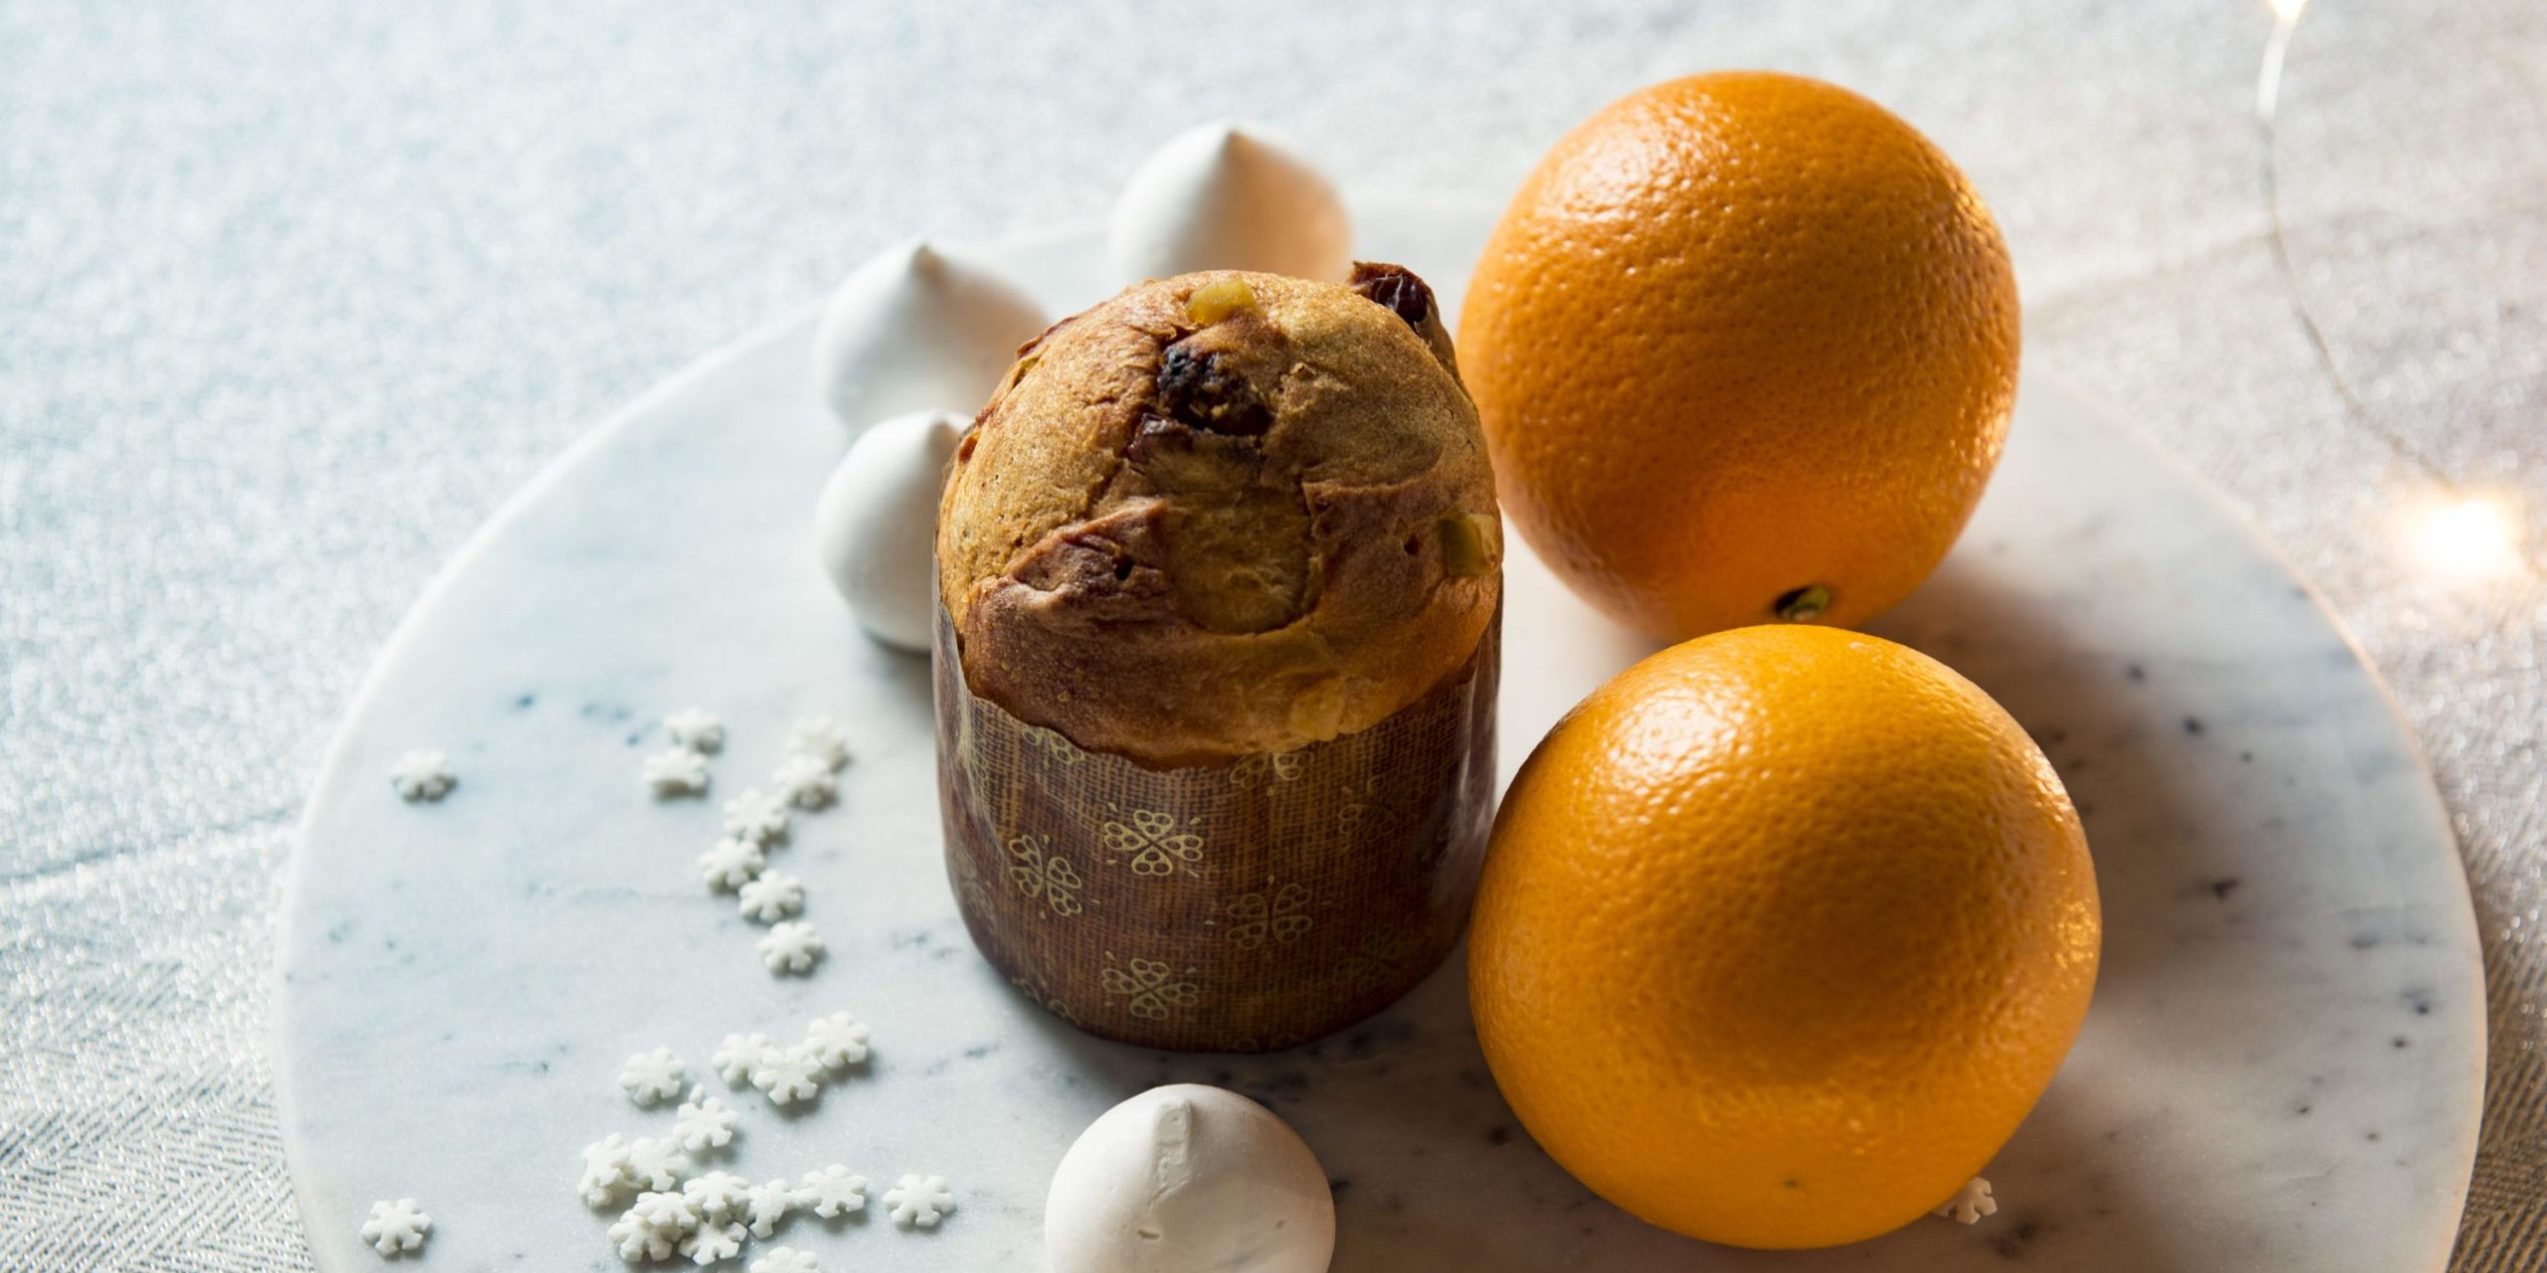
(293, 294)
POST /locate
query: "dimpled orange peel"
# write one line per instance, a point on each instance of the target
(1782, 933)
(1744, 346)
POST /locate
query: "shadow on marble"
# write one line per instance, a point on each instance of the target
(905, 676)
(2124, 749)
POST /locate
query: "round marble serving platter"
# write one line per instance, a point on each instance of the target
(2281, 1071)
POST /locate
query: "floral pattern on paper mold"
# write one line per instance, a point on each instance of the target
(1040, 871)
(1280, 915)
(1153, 987)
(1149, 843)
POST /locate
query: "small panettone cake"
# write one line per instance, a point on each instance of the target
(1220, 571)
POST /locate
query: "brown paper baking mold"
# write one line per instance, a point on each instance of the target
(1231, 908)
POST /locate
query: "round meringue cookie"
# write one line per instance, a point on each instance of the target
(1221, 197)
(1189, 1179)
(918, 329)
(876, 524)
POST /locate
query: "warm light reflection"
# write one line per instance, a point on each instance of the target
(2268, 81)
(2465, 537)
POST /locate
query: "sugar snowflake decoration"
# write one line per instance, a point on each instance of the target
(792, 946)
(605, 1171)
(731, 864)
(807, 782)
(820, 738)
(656, 1162)
(736, 1057)
(717, 1195)
(756, 816)
(838, 1040)
(665, 1211)
(767, 1203)
(639, 1240)
(1970, 1203)
(713, 1242)
(920, 1200)
(695, 729)
(676, 771)
(772, 896)
(422, 775)
(653, 1076)
(787, 1075)
(703, 1122)
(786, 1259)
(655, 1227)
(396, 1226)
(832, 1191)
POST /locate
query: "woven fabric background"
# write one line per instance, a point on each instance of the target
(293, 293)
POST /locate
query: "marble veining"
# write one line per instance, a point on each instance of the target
(2281, 1070)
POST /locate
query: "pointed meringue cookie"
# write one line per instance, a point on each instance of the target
(876, 525)
(1223, 197)
(1189, 1178)
(918, 329)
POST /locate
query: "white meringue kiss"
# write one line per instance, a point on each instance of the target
(876, 524)
(917, 329)
(1189, 1179)
(1219, 197)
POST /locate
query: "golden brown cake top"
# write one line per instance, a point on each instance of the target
(1223, 513)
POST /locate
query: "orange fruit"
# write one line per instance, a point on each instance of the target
(1745, 347)
(1782, 933)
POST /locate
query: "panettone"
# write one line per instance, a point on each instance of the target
(1222, 515)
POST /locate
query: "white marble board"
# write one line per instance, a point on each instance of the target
(2282, 1068)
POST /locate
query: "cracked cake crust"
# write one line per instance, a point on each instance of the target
(1222, 514)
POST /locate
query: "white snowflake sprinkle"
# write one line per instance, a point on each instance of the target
(638, 1240)
(703, 1122)
(695, 729)
(422, 775)
(838, 1040)
(656, 1162)
(713, 1242)
(820, 738)
(605, 1171)
(717, 1194)
(665, 1211)
(786, 1259)
(678, 771)
(731, 864)
(806, 782)
(792, 946)
(1970, 1203)
(787, 1075)
(736, 1056)
(767, 1203)
(772, 896)
(757, 817)
(832, 1191)
(396, 1226)
(920, 1200)
(653, 1076)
